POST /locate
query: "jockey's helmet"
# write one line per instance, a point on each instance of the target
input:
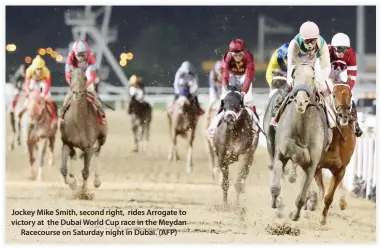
(38, 62)
(309, 30)
(133, 80)
(80, 49)
(236, 45)
(340, 40)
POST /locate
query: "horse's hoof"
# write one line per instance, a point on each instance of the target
(97, 182)
(279, 213)
(240, 188)
(72, 182)
(343, 204)
(292, 179)
(323, 221)
(294, 215)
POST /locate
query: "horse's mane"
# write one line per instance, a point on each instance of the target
(78, 75)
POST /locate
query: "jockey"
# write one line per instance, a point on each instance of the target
(136, 90)
(187, 74)
(215, 83)
(278, 61)
(17, 80)
(37, 77)
(238, 69)
(81, 57)
(344, 67)
(308, 46)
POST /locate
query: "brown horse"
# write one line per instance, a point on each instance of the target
(183, 116)
(81, 128)
(40, 129)
(141, 117)
(339, 153)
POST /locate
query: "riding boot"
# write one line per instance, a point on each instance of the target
(99, 106)
(129, 108)
(201, 111)
(66, 104)
(358, 130)
(221, 107)
(283, 94)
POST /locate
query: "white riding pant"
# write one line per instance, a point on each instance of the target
(137, 92)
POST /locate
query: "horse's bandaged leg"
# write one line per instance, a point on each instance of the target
(213, 125)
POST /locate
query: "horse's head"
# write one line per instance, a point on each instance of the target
(233, 105)
(78, 83)
(342, 101)
(303, 78)
(36, 105)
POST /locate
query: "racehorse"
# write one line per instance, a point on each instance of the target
(339, 153)
(301, 136)
(234, 137)
(183, 116)
(81, 128)
(40, 129)
(17, 105)
(141, 117)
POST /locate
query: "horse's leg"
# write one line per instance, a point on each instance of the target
(173, 148)
(41, 158)
(135, 132)
(31, 145)
(13, 125)
(88, 154)
(319, 182)
(335, 180)
(225, 180)
(292, 176)
(343, 194)
(306, 182)
(276, 184)
(52, 140)
(68, 177)
(19, 132)
(145, 139)
(270, 149)
(212, 159)
(141, 135)
(245, 168)
(189, 164)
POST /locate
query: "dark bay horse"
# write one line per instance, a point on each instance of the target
(183, 116)
(141, 117)
(339, 154)
(301, 136)
(235, 137)
(40, 130)
(81, 128)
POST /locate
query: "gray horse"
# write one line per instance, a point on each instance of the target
(141, 117)
(81, 128)
(301, 136)
(234, 137)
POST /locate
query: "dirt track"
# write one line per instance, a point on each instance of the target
(149, 181)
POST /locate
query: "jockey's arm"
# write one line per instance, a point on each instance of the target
(68, 68)
(27, 79)
(325, 66)
(176, 82)
(48, 81)
(352, 69)
(292, 54)
(250, 72)
(226, 70)
(272, 65)
(91, 71)
(193, 87)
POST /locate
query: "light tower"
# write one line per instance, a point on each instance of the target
(84, 26)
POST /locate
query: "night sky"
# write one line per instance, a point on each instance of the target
(203, 31)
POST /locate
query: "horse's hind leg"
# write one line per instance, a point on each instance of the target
(247, 162)
(68, 177)
(41, 158)
(335, 180)
(52, 141)
(225, 180)
(97, 180)
(32, 159)
(189, 163)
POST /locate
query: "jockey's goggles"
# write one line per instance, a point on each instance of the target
(341, 49)
(38, 68)
(237, 54)
(308, 41)
(82, 55)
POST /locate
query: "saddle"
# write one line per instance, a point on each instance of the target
(90, 98)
